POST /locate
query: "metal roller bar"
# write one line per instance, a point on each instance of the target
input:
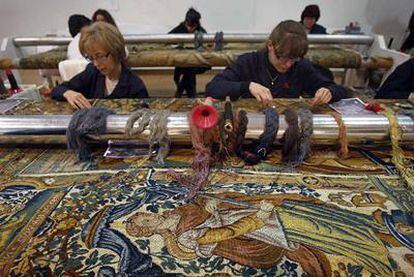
(360, 129)
(341, 39)
(37, 41)
(189, 38)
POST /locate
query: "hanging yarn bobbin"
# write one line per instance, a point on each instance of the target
(204, 116)
(203, 121)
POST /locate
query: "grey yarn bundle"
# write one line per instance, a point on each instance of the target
(85, 122)
(306, 125)
(291, 137)
(156, 121)
(143, 117)
(297, 137)
(158, 134)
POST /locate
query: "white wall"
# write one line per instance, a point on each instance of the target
(29, 18)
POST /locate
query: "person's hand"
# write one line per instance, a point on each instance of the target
(45, 90)
(411, 97)
(261, 93)
(322, 96)
(77, 100)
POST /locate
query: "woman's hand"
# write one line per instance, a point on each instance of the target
(261, 93)
(77, 100)
(322, 96)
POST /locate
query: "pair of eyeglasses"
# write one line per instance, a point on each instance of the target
(288, 59)
(98, 59)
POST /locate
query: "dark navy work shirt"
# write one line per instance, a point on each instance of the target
(317, 29)
(400, 83)
(91, 83)
(255, 67)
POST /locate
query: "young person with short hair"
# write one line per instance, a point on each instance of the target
(277, 71)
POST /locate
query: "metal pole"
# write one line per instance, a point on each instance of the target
(37, 41)
(341, 39)
(360, 129)
(189, 38)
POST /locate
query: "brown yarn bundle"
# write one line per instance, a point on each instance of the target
(402, 164)
(342, 137)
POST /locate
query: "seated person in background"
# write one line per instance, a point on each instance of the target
(400, 84)
(107, 75)
(309, 17)
(103, 15)
(76, 23)
(277, 71)
(185, 77)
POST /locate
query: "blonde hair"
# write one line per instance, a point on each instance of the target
(105, 35)
(289, 39)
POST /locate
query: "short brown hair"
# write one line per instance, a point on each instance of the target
(289, 39)
(311, 11)
(105, 35)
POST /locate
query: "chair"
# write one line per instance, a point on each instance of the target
(69, 68)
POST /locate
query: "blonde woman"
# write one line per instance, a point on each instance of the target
(107, 75)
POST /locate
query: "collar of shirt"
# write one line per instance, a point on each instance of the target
(123, 77)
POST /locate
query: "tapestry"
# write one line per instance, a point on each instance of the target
(24, 206)
(330, 216)
(13, 160)
(138, 223)
(58, 160)
(152, 55)
(126, 106)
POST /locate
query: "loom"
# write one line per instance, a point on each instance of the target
(156, 51)
(364, 129)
